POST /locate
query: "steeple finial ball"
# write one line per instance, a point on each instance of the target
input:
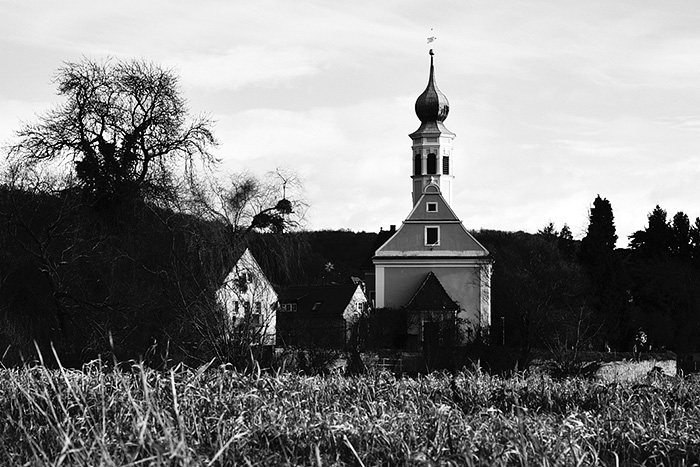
(432, 105)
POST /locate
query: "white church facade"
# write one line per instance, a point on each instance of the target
(431, 265)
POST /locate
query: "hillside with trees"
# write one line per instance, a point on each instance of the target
(552, 292)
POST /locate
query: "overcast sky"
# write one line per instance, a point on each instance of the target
(552, 101)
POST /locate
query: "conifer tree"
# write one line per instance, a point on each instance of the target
(606, 271)
(680, 228)
(600, 238)
(656, 240)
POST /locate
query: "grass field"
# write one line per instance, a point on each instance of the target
(214, 416)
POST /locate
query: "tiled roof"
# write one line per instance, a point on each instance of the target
(326, 299)
(431, 296)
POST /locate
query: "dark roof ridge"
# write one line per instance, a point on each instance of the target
(432, 296)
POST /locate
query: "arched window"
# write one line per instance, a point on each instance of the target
(432, 164)
(416, 164)
(445, 165)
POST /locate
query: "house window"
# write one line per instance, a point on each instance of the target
(360, 307)
(235, 307)
(446, 165)
(255, 316)
(416, 164)
(432, 236)
(246, 308)
(431, 207)
(432, 164)
(242, 281)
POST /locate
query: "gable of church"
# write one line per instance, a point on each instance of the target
(432, 229)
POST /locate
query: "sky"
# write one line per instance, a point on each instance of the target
(553, 101)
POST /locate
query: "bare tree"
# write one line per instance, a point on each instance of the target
(125, 128)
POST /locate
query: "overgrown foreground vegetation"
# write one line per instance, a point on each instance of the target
(212, 416)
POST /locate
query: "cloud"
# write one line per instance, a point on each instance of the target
(681, 122)
(247, 65)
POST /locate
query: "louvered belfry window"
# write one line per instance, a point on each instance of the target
(432, 164)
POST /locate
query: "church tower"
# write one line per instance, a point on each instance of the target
(432, 142)
(432, 266)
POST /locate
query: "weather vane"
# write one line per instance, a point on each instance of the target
(432, 37)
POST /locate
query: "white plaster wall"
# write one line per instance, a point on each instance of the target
(463, 284)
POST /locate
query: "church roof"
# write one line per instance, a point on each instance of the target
(409, 239)
(431, 296)
(432, 105)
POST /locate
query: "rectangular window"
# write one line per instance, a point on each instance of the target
(445, 165)
(431, 207)
(431, 168)
(432, 236)
(255, 316)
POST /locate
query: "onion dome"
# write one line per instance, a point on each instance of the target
(432, 105)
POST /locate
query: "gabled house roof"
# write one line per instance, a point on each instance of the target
(322, 299)
(431, 296)
(246, 262)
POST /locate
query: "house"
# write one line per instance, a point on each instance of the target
(250, 301)
(431, 266)
(322, 316)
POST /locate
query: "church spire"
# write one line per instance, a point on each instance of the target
(432, 105)
(432, 141)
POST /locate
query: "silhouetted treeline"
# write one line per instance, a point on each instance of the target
(140, 282)
(553, 292)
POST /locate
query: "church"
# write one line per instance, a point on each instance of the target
(431, 266)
